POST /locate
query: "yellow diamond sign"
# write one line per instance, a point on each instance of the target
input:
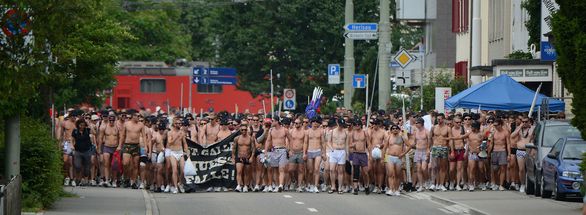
(403, 58)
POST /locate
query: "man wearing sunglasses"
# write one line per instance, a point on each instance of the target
(439, 153)
(315, 152)
(130, 136)
(376, 166)
(243, 156)
(359, 143)
(525, 135)
(297, 153)
(276, 151)
(339, 144)
(108, 138)
(210, 131)
(457, 152)
(498, 150)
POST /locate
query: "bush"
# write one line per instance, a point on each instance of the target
(41, 164)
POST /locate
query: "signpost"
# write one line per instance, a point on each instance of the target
(403, 58)
(215, 76)
(289, 99)
(361, 27)
(361, 35)
(361, 31)
(333, 73)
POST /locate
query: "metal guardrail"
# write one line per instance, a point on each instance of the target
(10, 195)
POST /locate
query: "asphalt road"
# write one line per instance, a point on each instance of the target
(126, 201)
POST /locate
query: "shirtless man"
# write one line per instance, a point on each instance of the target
(224, 131)
(129, 140)
(243, 156)
(422, 139)
(338, 156)
(457, 151)
(259, 132)
(145, 152)
(297, 152)
(329, 170)
(525, 135)
(211, 131)
(315, 152)
(158, 155)
(498, 150)
(473, 139)
(395, 147)
(176, 149)
(276, 151)
(359, 143)
(439, 153)
(512, 169)
(66, 144)
(109, 139)
(376, 165)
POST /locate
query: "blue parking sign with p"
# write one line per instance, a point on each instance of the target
(333, 69)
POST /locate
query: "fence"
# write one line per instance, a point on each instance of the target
(10, 197)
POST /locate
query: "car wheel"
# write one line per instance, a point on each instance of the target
(536, 185)
(558, 195)
(529, 189)
(544, 193)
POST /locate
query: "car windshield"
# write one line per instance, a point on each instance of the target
(574, 149)
(555, 132)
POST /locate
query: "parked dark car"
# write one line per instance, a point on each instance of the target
(547, 132)
(561, 171)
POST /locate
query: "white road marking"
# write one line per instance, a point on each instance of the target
(287, 196)
(312, 210)
(147, 202)
(299, 203)
(445, 211)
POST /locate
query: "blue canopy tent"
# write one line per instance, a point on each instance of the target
(500, 93)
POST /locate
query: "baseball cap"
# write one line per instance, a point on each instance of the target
(95, 117)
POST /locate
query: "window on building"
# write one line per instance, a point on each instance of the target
(208, 88)
(153, 86)
(460, 17)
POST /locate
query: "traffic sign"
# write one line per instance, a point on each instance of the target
(361, 27)
(201, 80)
(289, 99)
(333, 73)
(214, 71)
(394, 64)
(403, 58)
(358, 81)
(361, 35)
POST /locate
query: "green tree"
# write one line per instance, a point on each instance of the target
(570, 44)
(533, 24)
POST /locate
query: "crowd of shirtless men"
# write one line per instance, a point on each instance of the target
(336, 153)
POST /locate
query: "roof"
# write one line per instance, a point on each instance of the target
(518, 62)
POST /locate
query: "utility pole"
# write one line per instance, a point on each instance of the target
(384, 49)
(272, 96)
(348, 57)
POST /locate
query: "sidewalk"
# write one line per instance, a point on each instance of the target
(92, 200)
(509, 202)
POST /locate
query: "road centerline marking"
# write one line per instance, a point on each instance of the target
(299, 203)
(288, 196)
(312, 210)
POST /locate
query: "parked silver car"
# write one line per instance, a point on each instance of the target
(547, 132)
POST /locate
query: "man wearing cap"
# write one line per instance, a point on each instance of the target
(224, 131)
(297, 152)
(473, 139)
(277, 144)
(130, 135)
(66, 145)
(315, 152)
(376, 166)
(327, 141)
(359, 143)
(339, 144)
(108, 138)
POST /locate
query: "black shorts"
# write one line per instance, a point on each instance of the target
(144, 159)
(348, 167)
(243, 161)
(513, 151)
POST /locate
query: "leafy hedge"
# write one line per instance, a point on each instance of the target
(41, 164)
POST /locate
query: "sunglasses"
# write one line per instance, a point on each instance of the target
(467, 119)
(255, 120)
(395, 128)
(458, 122)
(242, 129)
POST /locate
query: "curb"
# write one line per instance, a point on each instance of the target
(32, 213)
(445, 201)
